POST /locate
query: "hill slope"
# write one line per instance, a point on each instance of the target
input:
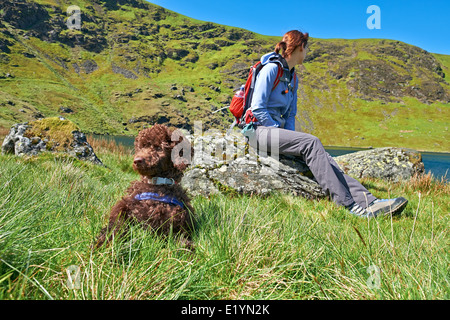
(133, 64)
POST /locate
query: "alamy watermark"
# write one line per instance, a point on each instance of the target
(374, 20)
(73, 277)
(374, 280)
(74, 19)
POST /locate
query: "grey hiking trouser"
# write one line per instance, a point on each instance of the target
(343, 189)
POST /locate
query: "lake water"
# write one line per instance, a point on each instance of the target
(435, 162)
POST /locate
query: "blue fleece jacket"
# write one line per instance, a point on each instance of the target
(273, 108)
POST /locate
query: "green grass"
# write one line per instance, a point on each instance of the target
(279, 247)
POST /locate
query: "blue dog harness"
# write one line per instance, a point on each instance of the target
(157, 197)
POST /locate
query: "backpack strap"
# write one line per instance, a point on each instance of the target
(284, 74)
(255, 70)
(278, 78)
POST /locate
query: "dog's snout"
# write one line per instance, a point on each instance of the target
(138, 160)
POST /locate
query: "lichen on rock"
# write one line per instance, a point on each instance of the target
(51, 135)
(57, 132)
(389, 163)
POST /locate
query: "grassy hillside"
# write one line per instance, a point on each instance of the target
(133, 64)
(279, 247)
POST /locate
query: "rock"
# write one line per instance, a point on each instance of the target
(89, 66)
(65, 109)
(214, 88)
(177, 54)
(14, 136)
(179, 97)
(49, 134)
(393, 164)
(209, 46)
(81, 149)
(226, 164)
(126, 73)
(24, 15)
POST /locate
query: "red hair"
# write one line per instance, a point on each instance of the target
(291, 40)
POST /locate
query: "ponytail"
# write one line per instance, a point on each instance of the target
(280, 46)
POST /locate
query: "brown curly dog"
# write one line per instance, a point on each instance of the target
(157, 201)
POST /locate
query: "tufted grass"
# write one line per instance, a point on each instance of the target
(275, 248)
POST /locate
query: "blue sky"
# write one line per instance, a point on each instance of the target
(425, 24)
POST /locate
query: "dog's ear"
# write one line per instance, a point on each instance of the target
(138, 141)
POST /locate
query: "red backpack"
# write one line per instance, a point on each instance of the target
(240, 104)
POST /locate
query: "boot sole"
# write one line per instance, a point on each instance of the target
(397, 209)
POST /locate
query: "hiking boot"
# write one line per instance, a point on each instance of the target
(379, 207)
(387, 206)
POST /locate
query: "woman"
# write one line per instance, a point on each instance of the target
(273, 111)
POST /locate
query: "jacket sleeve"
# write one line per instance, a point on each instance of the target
(292, 111)
(263, 87)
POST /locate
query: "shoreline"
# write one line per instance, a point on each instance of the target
(371, 148)
(113, 137)
(336, 147)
